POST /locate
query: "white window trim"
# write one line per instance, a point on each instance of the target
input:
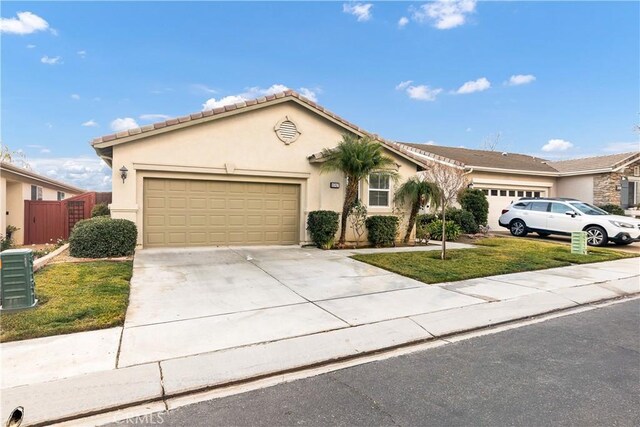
(369, 189)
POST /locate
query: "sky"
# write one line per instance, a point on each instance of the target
(552, 79)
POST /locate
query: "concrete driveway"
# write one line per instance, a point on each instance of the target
(191, 301)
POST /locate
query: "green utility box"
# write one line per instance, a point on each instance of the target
(579, 242)
(17, 286)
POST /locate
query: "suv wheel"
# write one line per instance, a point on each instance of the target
(518, 228)
(596, 236)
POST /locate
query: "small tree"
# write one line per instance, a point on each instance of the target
(356, 158)
(448, 180)
(358, 218)
(417, 193)
(16, 157)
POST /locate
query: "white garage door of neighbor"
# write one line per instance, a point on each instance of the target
(180, 212)
(500, 198)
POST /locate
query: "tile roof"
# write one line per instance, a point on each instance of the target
(483, 158)
(204, 115)
(592, 163)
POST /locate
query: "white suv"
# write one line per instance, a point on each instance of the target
(562, 216)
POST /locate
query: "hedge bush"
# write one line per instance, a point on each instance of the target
(475, 201)
(323, 226)
(101, 209)
(464, 219)
(382, 230)
(103, 237)
(452, 230)
(612, 209)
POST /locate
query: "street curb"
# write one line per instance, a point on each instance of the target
(326, 363)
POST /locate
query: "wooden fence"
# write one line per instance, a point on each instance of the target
(46, 221)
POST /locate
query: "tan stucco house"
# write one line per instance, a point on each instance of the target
(19, 184)
(249, 174)
(244, 174)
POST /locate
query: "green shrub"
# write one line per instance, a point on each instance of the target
(475, 201)
(464, 219)
(103, 237)
(452, 230)
(422, 222)
(6, 241)
(382, 229)
(101, 209)
(425, 219)
(323, 226)
(612, 209)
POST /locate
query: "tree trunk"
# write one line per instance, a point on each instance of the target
(443, 254)
(351, 193)
(412, 221)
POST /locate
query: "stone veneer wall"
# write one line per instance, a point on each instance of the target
(606, 189)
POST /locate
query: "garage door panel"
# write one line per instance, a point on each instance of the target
(200, 213)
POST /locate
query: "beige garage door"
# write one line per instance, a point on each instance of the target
(181, 212)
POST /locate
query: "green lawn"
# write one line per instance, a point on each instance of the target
(497, 255)
(72, 297)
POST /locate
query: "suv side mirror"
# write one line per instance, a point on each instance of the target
(572, 214)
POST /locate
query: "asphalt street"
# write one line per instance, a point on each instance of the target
(577, 370)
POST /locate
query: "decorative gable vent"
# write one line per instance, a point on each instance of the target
(287, 131)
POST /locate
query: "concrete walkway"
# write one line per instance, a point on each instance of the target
(312, 322)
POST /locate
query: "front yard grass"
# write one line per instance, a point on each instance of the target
(496, 255)
(72, 297)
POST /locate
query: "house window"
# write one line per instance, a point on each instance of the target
(36, 192)
(520, 193)
(536, 194)
(529, 194)
(486, 192)
(60, 195)
(634, 192)
(503, 193)
(494, 192)
(378, 190)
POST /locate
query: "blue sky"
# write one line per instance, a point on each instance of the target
(555, 79)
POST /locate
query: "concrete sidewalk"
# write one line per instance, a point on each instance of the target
(352, 326)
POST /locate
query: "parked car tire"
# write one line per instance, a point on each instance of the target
(518, 228)
(543, 234)
(596, 236)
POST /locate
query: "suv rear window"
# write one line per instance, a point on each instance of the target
(521, 205)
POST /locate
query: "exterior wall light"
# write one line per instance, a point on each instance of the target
(123, 173)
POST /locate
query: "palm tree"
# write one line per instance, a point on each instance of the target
(417, 192)
(357, 158)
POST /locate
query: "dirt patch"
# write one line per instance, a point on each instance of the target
(66, 257)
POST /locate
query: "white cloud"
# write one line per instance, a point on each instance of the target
(25, 23)
(468, 129)
(444, 14)
(362, 11)
(403, 21)
(556, 145)
(89, 173)
(51, 60)
(403, 85)
(309, 94)
(621, 147)
(121, 124)
(31, 46)
(45, 151)
(154, 117)
(75, 96)
(255, 92)
(474, 86)
(82, 53)
(423, 93)
(90, 123)
(521, 79)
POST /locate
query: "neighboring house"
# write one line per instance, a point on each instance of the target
(613, 179)
(507, 176)
(244, 174)
(17, 185)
